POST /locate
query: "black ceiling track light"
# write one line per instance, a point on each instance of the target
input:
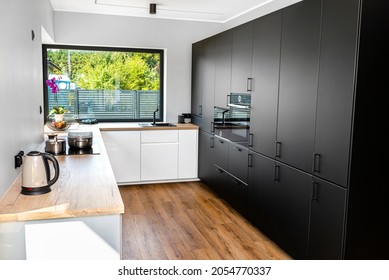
(153, 8)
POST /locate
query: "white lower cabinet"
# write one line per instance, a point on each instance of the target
(152, 155)
(188, 154)
(159, 161)
(123, 148)
(159, 155)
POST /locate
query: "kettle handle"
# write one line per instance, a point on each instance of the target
(48, 157)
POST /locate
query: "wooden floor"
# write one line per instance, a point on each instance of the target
(186, 221)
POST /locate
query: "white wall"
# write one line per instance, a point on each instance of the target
(176, 37)
(21, 90)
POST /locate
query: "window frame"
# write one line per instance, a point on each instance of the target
(161, 52)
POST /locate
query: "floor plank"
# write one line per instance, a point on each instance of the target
(187, 221)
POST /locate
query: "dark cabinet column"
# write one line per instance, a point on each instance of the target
(298, 84)
(336, 89)
(197, 74)
(242, 49)
(265, 73)
(326, 231)
(293, 195)
(208, 86)
(223, 43)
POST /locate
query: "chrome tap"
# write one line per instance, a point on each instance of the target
(154, 115)
(223, 115)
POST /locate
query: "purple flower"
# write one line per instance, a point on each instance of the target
(52, 83)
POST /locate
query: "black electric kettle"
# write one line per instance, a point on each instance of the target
(36, 173)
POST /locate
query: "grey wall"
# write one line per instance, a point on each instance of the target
(176, 37)
(21, 87)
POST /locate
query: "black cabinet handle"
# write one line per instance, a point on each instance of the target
(212, 127)
(278, 149)
(211, 142)
(250, 160)
(200, 110)
(315, 185)
(249, 84)
(316, 163)
(251, 140)
(236, 182)
(277, 173)
(219, 170)
(237, 149)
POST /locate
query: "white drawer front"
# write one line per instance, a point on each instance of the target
(159, 136)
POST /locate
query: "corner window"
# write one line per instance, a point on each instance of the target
(107, 84)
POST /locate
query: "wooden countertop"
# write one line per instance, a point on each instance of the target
(86, 187)
(135, 126)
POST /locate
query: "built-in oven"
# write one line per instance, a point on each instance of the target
(233, 121)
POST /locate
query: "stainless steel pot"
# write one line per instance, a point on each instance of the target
(80, 140)
(55, 145)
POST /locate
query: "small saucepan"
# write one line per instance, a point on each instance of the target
(55, 145)
(80, 140)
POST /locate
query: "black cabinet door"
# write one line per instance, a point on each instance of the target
(326, 231)
(208, 86)
(197, 76)
(205, 157)
(242, 37)
(265, 73)
(237, 194)
(293, 197)
(221, 152)
(223, 67)
(261, 193)
(336, 89)
(219, 182)
(238, 161)
(298, 84)
(231, 189)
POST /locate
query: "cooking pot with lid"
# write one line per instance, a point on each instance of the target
(80, 139)
(55, 145)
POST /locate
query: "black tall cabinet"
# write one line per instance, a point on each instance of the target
(298, 83)
(317, 159)
(265, 73)
(367, 234)
(338, 47)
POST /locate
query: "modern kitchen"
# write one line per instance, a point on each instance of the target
(259, 139)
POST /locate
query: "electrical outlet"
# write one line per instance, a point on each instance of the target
(19, 159)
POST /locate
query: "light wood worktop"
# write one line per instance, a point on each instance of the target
(86, 187)
(136, 126)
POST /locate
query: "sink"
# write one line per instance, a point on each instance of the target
(163, 124)
(157, 124)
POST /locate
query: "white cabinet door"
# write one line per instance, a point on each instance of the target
(188, 154)
(123, 149)
(159, 161)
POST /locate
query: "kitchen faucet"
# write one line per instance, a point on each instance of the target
(223, 115)
(154, 115)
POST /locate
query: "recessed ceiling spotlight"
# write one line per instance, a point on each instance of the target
(153, 8)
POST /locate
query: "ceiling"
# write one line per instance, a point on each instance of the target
(220, 11)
